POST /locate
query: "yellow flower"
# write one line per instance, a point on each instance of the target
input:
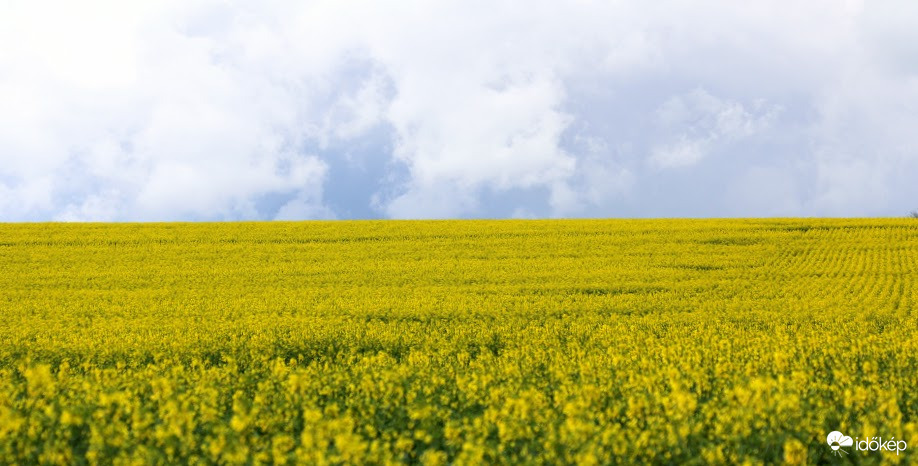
(794, 452)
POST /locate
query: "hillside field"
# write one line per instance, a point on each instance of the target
(466, 342)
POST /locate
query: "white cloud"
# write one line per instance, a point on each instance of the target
(221, 110)
(132, 114)
(477, 136)
(598, 181)
(701, 122)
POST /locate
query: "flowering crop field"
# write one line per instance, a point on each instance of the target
(466, 342)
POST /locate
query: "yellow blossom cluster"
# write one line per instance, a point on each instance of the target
(458, 342)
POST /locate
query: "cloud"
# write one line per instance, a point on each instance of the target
(504, 139)
(701, 121)
(229, 110)
(128, 114)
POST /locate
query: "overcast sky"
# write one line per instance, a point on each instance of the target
(221, 110)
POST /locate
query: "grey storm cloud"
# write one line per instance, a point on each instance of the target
(213, 110)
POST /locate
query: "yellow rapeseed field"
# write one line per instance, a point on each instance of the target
(466, 342)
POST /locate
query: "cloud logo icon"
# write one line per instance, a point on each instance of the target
(836, 440)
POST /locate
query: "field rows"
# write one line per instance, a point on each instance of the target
(470, 342)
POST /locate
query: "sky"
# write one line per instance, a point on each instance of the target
(222, 110)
